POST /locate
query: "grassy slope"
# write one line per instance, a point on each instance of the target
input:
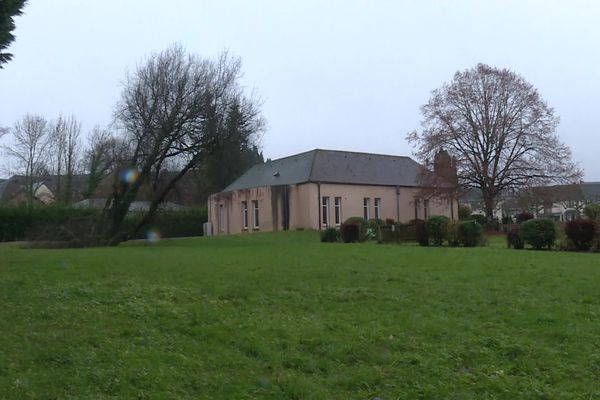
(283, 316)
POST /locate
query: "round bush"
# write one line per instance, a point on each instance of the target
(581, 232)
(592, 211)
(329, 235)
(362, 226)
(350, 232)
(437, 228)
(453, 233)
(421, 232)
(539, 233)
(470, 233)
(481, 219)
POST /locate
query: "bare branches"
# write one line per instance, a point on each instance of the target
(498, 128)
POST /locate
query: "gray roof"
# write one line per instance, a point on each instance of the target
(331, 166)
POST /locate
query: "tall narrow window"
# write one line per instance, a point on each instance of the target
(221, 218)
(325, 211)
(255, 213)
(425, 209)
(338, 211)
(366, 206)
(417, 208)
(378, 208)
(244, 215)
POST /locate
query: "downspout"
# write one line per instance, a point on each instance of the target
(397, 203)
(319, 203)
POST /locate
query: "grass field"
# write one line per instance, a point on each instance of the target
(283, 316)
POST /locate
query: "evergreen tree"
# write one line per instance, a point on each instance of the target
(8, 10)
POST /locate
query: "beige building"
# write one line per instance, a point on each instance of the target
(322, 188)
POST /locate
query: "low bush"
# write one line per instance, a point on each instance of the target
(507, 220)
(181, 223)
(592, 211)
(513, 238)
(581, 232)
(464, 212)
(524, 216)
(421, 232)
(470, 233)
(539, 233)
(329, 235)
(437, 228)
(492, 225)
(453, 235)
(481, 219)
(350, 232)
(362, 226)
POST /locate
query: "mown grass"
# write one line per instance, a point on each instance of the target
(283, 316)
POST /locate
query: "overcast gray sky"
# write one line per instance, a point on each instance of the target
(332, 74)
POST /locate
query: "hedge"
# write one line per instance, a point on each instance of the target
(539, 233)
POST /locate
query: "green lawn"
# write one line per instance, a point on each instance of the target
(283, 316)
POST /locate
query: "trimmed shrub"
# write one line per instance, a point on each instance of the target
(329, 235)
(592, 211)
(470, 233)
(453, 235)
(362, 226)
(437, 228)
(481, 219)
(539, 233)
(421, 232)
(524, 216)
(513, 238)
(350, 232)
(581, 232)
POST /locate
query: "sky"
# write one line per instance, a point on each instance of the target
(347, 75)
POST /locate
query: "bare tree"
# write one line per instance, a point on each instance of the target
(499, 130)
(104, 154)
(66, 134)
(174, 110)
(31, 142)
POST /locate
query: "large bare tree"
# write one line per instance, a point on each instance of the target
(30, 150)
(174, 110)
(498, 129)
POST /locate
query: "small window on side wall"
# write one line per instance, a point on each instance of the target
(244, 215)
(338, 211)
(255, 214)
(366, 207)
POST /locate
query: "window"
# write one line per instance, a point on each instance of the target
(425, 209)
(378, 208)
(255, 213)
(416, 208)
(221, 218)
(244, 215)
(366, 206)
(338, 211)
(325, 211)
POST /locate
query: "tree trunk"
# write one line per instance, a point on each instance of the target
(489, 204)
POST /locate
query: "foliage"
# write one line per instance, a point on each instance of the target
(592, 211)
(507, 220)
(481, 219)
(437, 228)
(362, 226)
(513, 238)
(329, 235)
(390, 221)
(524, 216)
(470, 233)
(8, 10)
(170, 223)
(454, 233)
(498, 129)
(581, 232)
(539, 233)
(375, 223)
(208, 319)
(350, 232)
(421, 233)
(464, 212)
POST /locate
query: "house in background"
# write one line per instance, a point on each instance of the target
(322, 188)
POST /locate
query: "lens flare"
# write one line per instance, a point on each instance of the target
(153, 236)
(130, 175)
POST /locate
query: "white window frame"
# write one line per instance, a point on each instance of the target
(255, 214)
(417, 213)
(325, 211)
(337, 205)
(244, 215)
(377, 207)
(367, 208)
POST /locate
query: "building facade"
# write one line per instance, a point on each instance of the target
(320, 189)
